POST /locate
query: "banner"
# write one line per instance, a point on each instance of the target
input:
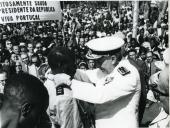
(13, 11)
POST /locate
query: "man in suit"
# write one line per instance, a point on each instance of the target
(150, 62)
(25, 62)
(116, 94)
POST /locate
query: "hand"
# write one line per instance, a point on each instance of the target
(62, 79)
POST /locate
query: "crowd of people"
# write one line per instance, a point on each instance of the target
(44, 49)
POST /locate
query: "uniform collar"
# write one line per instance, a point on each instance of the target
(162, 115)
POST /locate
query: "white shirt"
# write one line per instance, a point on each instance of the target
(161, 121)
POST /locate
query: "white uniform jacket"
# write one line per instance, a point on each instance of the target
(116, 97)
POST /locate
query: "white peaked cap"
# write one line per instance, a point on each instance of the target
(105, 44)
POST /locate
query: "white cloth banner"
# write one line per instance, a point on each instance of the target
(13, 11)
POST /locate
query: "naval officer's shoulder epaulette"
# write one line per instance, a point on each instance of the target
(123, 71)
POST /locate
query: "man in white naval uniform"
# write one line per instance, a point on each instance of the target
(115, 95)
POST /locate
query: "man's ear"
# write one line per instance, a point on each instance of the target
(114, 59)
(26, 109)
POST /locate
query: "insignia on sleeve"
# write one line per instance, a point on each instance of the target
(123, 71)
(59, 90)
(108, 80)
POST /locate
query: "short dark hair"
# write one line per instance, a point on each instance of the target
(142, 50)
(26, 88)
(62, 58)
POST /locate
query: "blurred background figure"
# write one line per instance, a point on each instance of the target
(3, 79)
(91, 64)
(83, 65)
(34, 65)
(25, 100)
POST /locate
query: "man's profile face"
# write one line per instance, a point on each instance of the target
(3, 78)
(106, 63)
(163, 86)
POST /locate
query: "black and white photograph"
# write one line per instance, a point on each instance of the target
(84, 64)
